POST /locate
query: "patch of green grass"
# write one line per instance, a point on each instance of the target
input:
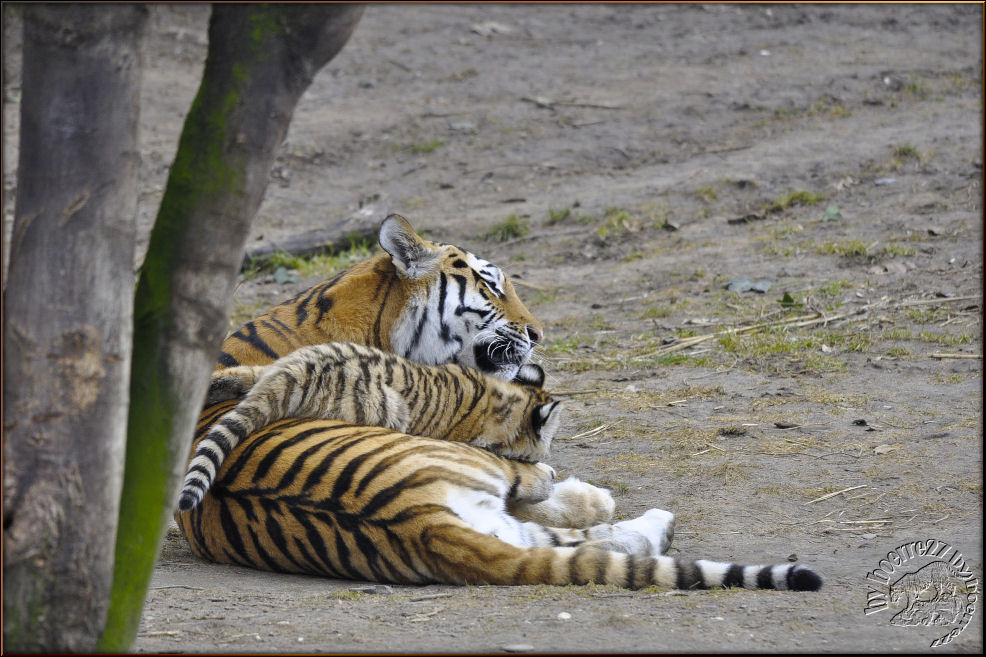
(831, 108)
(944, 339)
(563, 345)
(346, 595)
(322, 264)
(424, 147)
(543, 296)
(906, 151)
(555, 216)
(894, 250)
(898, 352)
(896, 334)
(794, 198)
(510, 228)
(655, 311)
(617, 221)
(847, 249)
(927, 315)
(834, 288)
(707, 193)
(917, 89)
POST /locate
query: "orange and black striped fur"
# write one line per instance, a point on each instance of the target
(328, 498)
(367, 386)
(431, 303)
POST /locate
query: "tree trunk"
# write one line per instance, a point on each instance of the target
(67, 332)
(261, 58)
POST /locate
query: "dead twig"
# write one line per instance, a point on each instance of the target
(941, 356)
(838, 492)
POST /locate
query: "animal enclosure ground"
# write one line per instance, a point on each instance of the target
(635, 161)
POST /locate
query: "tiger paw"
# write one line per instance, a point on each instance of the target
(573, 504)
(656, 525)
(547, 470)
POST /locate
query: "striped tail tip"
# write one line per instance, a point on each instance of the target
(188, 500)
(804, 579)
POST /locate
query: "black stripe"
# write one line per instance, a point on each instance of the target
(631, 574)
(301, 311)
(388, 278)
(273, 328)
(512, 493)
(344, 481)
(265, 556)
(227, 360)
(764, 578)
(248, 334)
(274, 454)
(419, 328)
(734, 576)
(232, 532)
(209, 453)
(277, 536)
(242, 456)
(689, 575)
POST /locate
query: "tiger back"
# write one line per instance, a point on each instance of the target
(364, 385)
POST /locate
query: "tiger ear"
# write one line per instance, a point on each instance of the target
(530, 375)
(546, 419)
(413, 257)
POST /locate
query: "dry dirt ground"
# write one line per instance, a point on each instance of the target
(655, 153)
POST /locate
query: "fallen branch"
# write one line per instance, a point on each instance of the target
(361, 225)
(940, 356)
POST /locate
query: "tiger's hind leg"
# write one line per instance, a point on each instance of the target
(233, 382)
(572, 503)
(649, 535)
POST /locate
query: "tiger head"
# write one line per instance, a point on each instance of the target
(460, 308)
(516, 420)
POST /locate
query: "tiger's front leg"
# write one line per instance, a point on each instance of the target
(531, 482)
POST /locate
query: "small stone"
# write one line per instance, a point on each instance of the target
(739, 285)
(868, 536)
(564, 615)
(880, 182)
(375, 589)
(517, 647)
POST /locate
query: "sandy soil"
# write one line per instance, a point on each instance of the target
(833, 151)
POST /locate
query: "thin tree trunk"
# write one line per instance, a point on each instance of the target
(261, 58)
(67, 331)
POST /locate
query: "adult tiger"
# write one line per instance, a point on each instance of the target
(431, 303)
(327, 498)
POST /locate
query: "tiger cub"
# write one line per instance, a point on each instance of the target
(364, 385)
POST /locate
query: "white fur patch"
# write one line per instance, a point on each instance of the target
(713, 572)
(487, 514)
(653, 525)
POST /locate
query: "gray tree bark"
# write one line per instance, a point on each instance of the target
(67, 330)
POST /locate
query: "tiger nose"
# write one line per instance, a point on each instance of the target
(534, 335)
